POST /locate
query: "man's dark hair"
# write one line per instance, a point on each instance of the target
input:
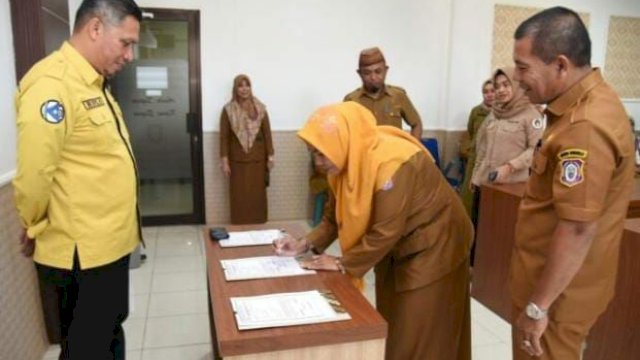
(557, 31)
(109, 11)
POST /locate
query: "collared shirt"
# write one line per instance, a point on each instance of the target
(417, 219)
(76, 183)
(390, 107)
(582, 171)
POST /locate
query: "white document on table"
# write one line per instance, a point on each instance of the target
(262, 267)
(251, 238)
(287, 309)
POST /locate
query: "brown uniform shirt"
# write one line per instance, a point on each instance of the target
(582, 171)
(231, 147)
(419, 223)
(390, 107)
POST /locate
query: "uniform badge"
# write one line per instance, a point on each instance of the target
(387, 185)
(537, 123)
(572, 162)
(52, 111)
(572, 154)
(572, 172)
(93, 103)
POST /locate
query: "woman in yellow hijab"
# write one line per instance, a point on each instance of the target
(392, 209)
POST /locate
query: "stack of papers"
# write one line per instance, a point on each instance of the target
(262, 267)
(251, 238)
(287, 309)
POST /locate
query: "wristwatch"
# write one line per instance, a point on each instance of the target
(534, 312)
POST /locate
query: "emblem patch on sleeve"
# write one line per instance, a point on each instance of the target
(52, 111)
(572, 154)
(572, 162)
(572, 172)
(537, 123)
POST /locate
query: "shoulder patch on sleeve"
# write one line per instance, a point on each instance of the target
(538, 123)
(572, 172)
(52, 111)
(569, 154)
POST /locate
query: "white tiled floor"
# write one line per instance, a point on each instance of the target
(168, 318)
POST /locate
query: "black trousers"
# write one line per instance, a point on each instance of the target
(92, 304)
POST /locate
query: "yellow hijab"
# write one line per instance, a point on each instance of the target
(367, 155)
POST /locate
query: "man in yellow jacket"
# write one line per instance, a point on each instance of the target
(76, 181)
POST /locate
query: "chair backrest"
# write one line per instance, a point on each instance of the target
(432, 145)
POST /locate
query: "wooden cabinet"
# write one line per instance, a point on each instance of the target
(616, 335)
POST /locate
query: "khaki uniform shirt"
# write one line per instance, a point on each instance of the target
(418, 224)
(390, 107)
(510, 140)
(76, 180)
(582, 171)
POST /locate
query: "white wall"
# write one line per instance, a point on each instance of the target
(303, 53)
(7, 90)
(472, 42)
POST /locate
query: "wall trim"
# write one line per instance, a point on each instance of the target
(7, 177)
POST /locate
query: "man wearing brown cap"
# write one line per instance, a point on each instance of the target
(389, 104)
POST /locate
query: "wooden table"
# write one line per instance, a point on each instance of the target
(496, 227)
(615, 335)
(362, 337)
(634, 204)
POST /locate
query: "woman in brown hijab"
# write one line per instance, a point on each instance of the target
(507, 137)
(246, 152)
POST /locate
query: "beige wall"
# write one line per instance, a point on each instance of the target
(289, 191)
(22, 332)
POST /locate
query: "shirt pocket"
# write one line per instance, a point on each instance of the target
(395, 112)
(539, 184)
(511, 127)
(103, 128)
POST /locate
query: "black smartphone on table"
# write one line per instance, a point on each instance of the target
(218, 233)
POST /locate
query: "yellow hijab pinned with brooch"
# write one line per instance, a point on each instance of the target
(367, 156)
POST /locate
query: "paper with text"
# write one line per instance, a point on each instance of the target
(251, 238)
(262, 267)
(285, 309)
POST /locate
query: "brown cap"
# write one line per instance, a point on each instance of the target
(370, 56)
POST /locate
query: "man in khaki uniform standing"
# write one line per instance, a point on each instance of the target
(570, 221)
(389, 104)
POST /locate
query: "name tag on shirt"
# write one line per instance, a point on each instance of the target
(93, 103)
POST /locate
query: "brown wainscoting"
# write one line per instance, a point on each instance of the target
(288, 193)
(22, 330)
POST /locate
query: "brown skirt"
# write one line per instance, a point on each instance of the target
(248, 192)
(432, 322)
